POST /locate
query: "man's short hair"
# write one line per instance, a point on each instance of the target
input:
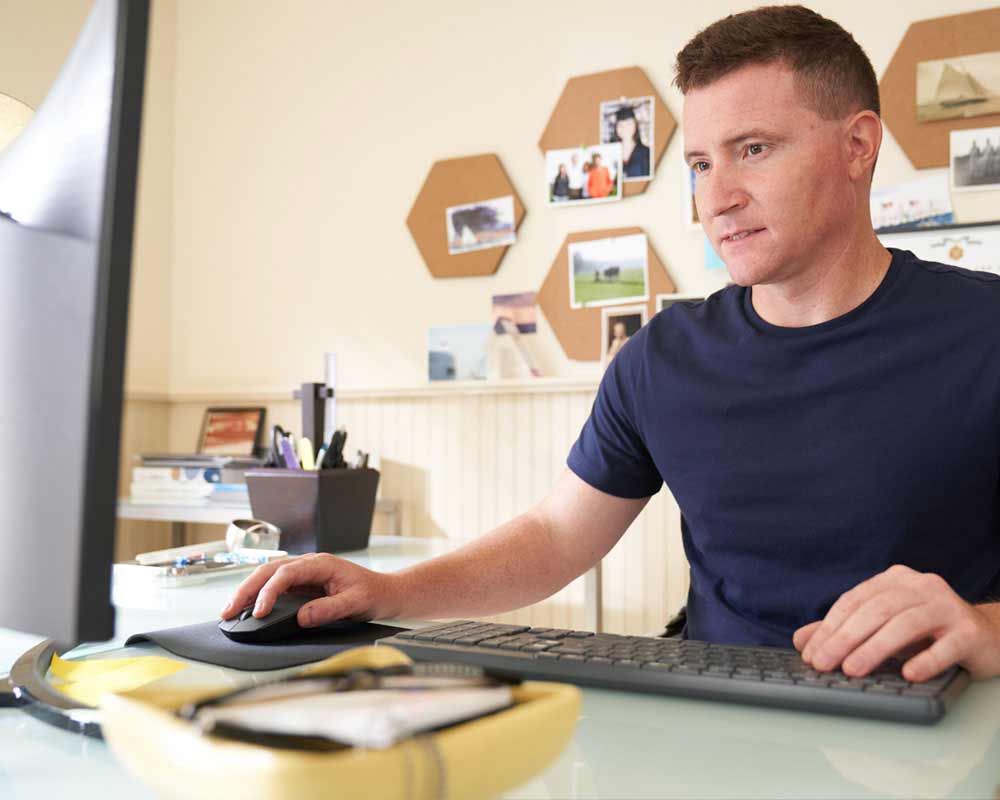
(833, 74)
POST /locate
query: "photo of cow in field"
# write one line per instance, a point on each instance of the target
(608, 271)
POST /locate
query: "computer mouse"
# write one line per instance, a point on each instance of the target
(281, 623)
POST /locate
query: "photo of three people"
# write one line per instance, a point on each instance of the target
(584, 174)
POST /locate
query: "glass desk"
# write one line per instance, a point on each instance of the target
(626, 745)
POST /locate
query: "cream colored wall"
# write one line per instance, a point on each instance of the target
(304, 133)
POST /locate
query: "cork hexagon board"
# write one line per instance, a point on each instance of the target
(579, 329)
(926, 143)
(451, 183)
(576, 119)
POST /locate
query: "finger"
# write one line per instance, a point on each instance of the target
(904, 629)
(304, 571)
(850, 601)
(868, 618)
(329, 609)
(945, 652)
(802, 636)
(247, 591)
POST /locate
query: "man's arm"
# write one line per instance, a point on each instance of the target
(904, 611)
(521, 562)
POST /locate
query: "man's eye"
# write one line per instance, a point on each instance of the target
(756, 149)
(699, 166)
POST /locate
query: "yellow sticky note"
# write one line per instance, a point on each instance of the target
(88, 681)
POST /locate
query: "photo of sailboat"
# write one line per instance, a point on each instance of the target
(955, 88)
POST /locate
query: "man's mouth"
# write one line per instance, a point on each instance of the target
(739, 236)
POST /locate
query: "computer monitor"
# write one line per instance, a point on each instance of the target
(67, 194)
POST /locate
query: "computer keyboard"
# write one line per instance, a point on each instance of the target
(759, 675)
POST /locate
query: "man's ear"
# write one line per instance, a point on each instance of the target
(862, 140)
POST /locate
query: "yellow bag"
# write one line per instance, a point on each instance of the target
(479, 758)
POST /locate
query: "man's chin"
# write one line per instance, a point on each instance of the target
(751, 273)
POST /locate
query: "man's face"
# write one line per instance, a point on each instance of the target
(771, 182)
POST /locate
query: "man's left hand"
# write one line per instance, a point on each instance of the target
(904, 610)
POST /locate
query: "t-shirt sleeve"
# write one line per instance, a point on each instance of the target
(610, 454)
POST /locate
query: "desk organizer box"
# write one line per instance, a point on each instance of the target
(480, 758)
(325, 511)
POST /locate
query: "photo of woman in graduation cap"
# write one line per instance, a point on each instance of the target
(631, 123)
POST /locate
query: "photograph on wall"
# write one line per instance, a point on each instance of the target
(476, 226)
(630, 121)
(664, 301)
(604, 272)
(618, 325)
(582, 175)
(975, 159)
(515, 318)
(972, 247)
(922, 203)
(958, 88)
(517, 310)
(458, 352)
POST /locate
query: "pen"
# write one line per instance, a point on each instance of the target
(289, 453)
(320, 455)
(334, 458)
(306, 454)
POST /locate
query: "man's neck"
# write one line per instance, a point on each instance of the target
(827, 291)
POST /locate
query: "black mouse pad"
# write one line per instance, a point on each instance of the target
(205, 642)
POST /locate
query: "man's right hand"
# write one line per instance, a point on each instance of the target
(344, 590)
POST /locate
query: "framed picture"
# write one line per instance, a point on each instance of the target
(232, 431)
(458, 352)
(582, 175)
(969, 246)
(664, 301)
(618, 325)
(630, 121)
(959, 87)
(476, 226)
(975, 159)
(606, 272)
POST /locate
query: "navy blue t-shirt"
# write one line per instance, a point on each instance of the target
(807, 460)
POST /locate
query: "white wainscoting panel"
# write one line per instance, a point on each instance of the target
(462, 459)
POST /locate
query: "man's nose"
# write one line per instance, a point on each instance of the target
(719, 193)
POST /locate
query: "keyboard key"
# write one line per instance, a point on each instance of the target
(877, 689)
(547, 656)
(580, 634)
(920, 690)
(599, 660)
(683, 669)
(661, 666)
(571, 657)
(628, 663)
(848, 685)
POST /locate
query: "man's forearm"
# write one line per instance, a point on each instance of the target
(517, 564)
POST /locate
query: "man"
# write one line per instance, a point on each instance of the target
(828, 424)
(576, 177)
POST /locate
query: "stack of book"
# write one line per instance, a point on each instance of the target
(190, 480)
(177, 485)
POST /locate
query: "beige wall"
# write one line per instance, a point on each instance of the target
(303, 133)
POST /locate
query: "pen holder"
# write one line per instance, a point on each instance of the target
(325, 511)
